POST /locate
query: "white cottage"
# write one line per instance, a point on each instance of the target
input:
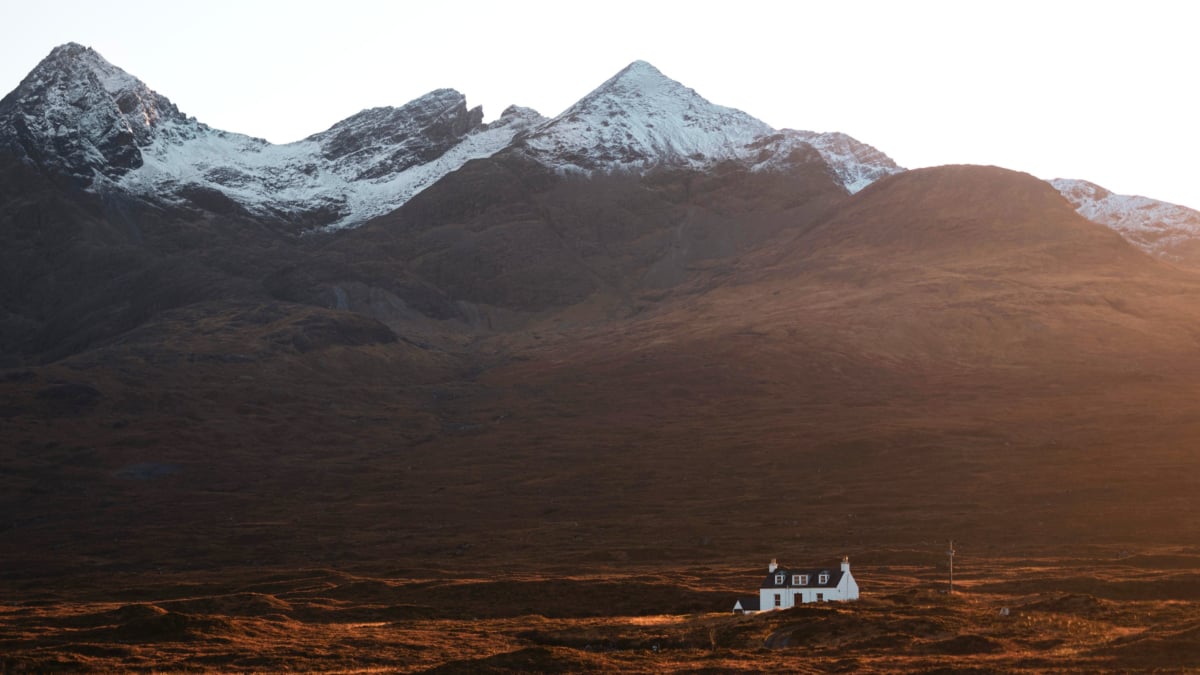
(783, 588)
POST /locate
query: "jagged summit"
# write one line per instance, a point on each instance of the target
(640, 118)
(78, 113)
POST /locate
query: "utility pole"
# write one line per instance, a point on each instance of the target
(950, 553)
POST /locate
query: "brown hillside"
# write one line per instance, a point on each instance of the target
(267, 475)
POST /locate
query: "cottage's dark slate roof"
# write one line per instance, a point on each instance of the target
(814, 575)
(748, 604)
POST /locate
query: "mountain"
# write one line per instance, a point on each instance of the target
(1158, 227)
(79, 115)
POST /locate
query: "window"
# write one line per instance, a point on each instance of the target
(779, 578)
(778, 600)
(801, 579)
(795, 579)
(823, 579)
(797, 598)
(820, 597)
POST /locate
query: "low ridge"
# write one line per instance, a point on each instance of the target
(967, 215)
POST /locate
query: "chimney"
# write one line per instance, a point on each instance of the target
(773, 566)
(846, 563)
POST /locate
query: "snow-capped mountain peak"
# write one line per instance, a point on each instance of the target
(639, 119)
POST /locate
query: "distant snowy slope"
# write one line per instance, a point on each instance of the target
(1156, 226)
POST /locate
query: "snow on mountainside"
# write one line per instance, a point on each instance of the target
(79, 114)
(1156, 226)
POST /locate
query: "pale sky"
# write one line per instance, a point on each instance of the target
(1094, 90)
